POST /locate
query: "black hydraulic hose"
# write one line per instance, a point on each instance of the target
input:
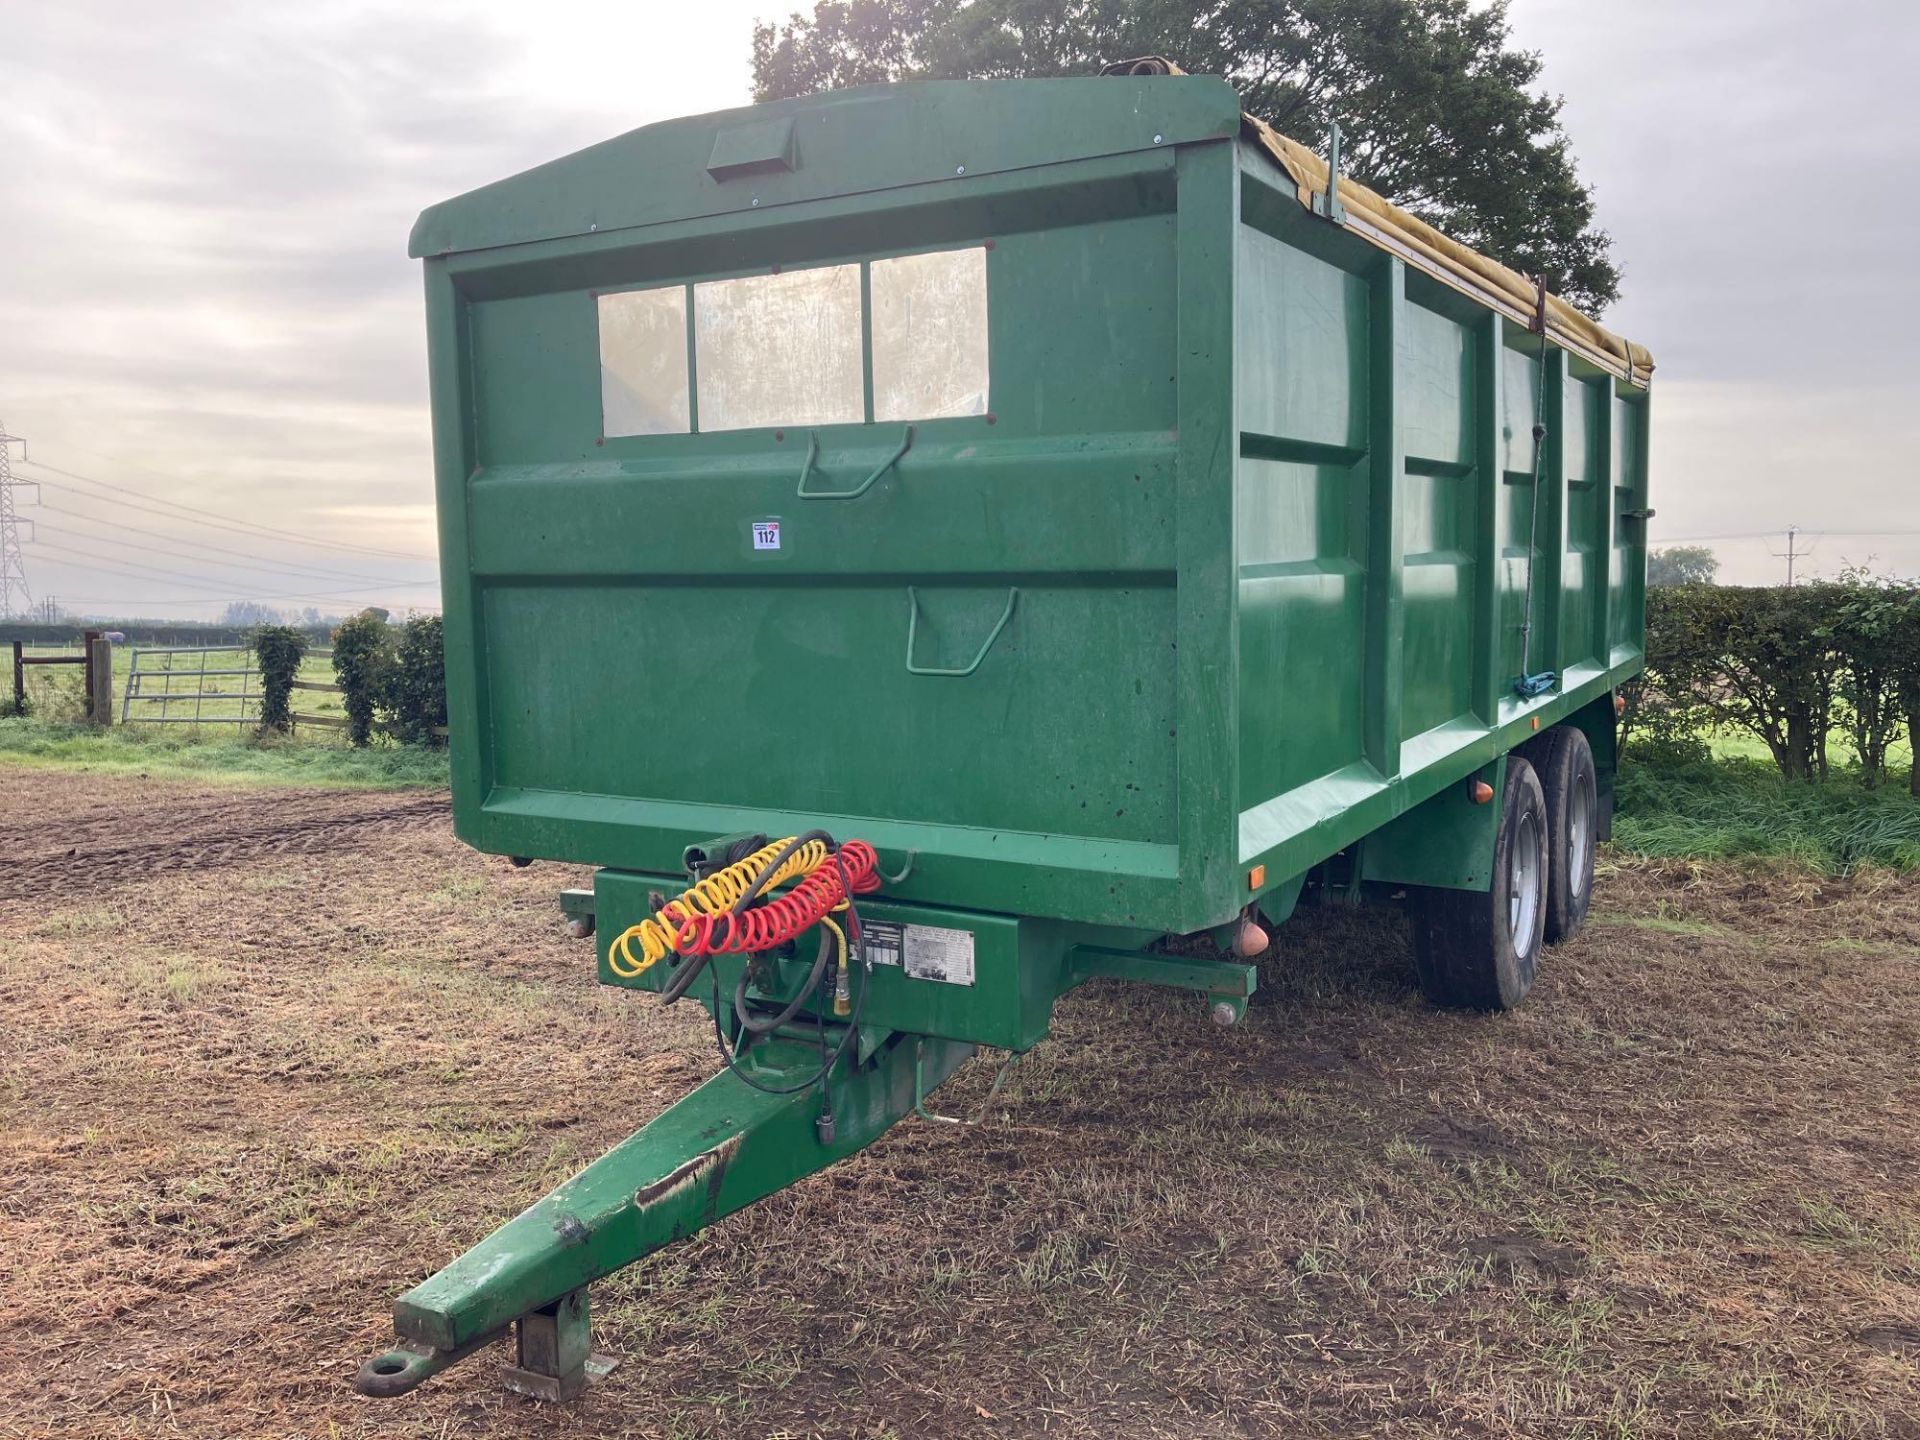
(728, 1054)
(773, 865)
(764, 1024)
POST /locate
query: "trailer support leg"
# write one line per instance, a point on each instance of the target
(555, 1351)
(721, 1148)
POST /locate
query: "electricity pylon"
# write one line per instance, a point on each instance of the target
(16, 600)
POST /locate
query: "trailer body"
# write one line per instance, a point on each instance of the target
(1034, 479)
(1260, 496)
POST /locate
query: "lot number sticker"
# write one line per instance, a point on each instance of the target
(766, 534)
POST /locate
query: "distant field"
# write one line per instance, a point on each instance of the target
(1737, 744)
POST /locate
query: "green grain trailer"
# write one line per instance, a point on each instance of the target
(1053, 485)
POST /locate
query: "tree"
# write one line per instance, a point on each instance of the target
(1677, 699)
(1682, 565)
(1896, 617)
(1435, 105)
(1871, 627)
(1909, 666)
(247, 614)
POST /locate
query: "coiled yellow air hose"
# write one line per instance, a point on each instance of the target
(715, 895)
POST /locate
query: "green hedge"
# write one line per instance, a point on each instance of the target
(392, 677)
(362, 665)
(278, 650)
(416, 698)
(1789, 665)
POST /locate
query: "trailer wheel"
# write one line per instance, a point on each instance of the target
(1564, 761)
(1478, 949)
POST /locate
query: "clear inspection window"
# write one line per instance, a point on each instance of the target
(798, 347)
(930, 335)
(643, 362)
(779, 349)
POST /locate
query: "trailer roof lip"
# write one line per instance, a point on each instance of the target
(661, 173)
(657, 173)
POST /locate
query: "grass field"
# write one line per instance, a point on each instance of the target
(1740, 807)
(223, 755)
(276, 1054)
(1736, 808)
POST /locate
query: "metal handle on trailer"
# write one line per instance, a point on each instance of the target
(913, 626)
(813, 454)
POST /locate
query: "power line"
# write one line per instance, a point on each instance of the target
(122, 465)
(1703, 539)
(165, 515)
(116, 565)
(192, 576)
(1790, 554)
(1769, 534)
(213, 599)
(189, 600)
(153, 571)
(318, 572)
(225, 522)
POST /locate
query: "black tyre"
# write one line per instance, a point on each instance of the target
(1478, 950)
(1564, 761)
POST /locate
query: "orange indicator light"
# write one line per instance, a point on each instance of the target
(1256, 877)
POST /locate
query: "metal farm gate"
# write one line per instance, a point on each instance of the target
(203, 685)
(178, 675)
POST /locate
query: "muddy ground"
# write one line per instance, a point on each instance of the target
(272, 1056)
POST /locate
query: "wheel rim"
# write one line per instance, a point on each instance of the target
(1523, 893)
(1579, 839)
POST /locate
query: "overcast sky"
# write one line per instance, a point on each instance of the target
(204, 292)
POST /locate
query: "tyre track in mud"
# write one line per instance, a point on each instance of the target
(112, 847)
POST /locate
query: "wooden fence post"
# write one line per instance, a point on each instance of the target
(87, 692)
(100, 679)
(19, 677)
